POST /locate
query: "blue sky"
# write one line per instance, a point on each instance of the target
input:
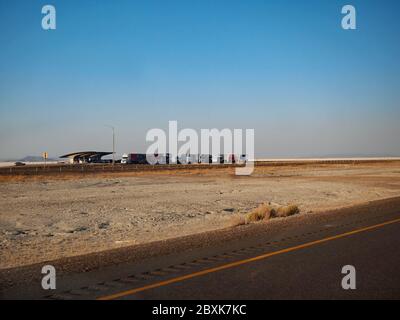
(285, 68)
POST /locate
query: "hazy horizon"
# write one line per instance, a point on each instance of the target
(326, 156)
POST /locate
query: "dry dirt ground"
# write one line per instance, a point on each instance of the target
(43, 219)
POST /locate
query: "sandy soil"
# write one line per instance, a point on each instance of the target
(47, 218)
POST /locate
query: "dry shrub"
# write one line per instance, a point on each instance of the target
(262, 212)
(237, 220)
(287, 211)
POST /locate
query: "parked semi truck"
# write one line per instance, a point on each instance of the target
(134, 158)
(154, 159)
(142, 158)
(158, 158)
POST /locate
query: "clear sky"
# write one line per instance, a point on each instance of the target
(285, 68)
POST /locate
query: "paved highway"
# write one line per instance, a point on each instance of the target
(283, 261)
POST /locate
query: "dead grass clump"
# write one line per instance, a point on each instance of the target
(262, 212)
(237, 220)
(286, 211)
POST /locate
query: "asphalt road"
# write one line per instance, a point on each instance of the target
(300, 261)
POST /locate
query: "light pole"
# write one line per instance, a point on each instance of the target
(113, 151)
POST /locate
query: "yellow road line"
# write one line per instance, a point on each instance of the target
(241, 262)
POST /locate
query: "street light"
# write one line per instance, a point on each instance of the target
(113, 151)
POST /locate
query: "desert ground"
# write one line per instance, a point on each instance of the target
(45, 218)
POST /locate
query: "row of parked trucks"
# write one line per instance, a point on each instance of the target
(142, 158)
